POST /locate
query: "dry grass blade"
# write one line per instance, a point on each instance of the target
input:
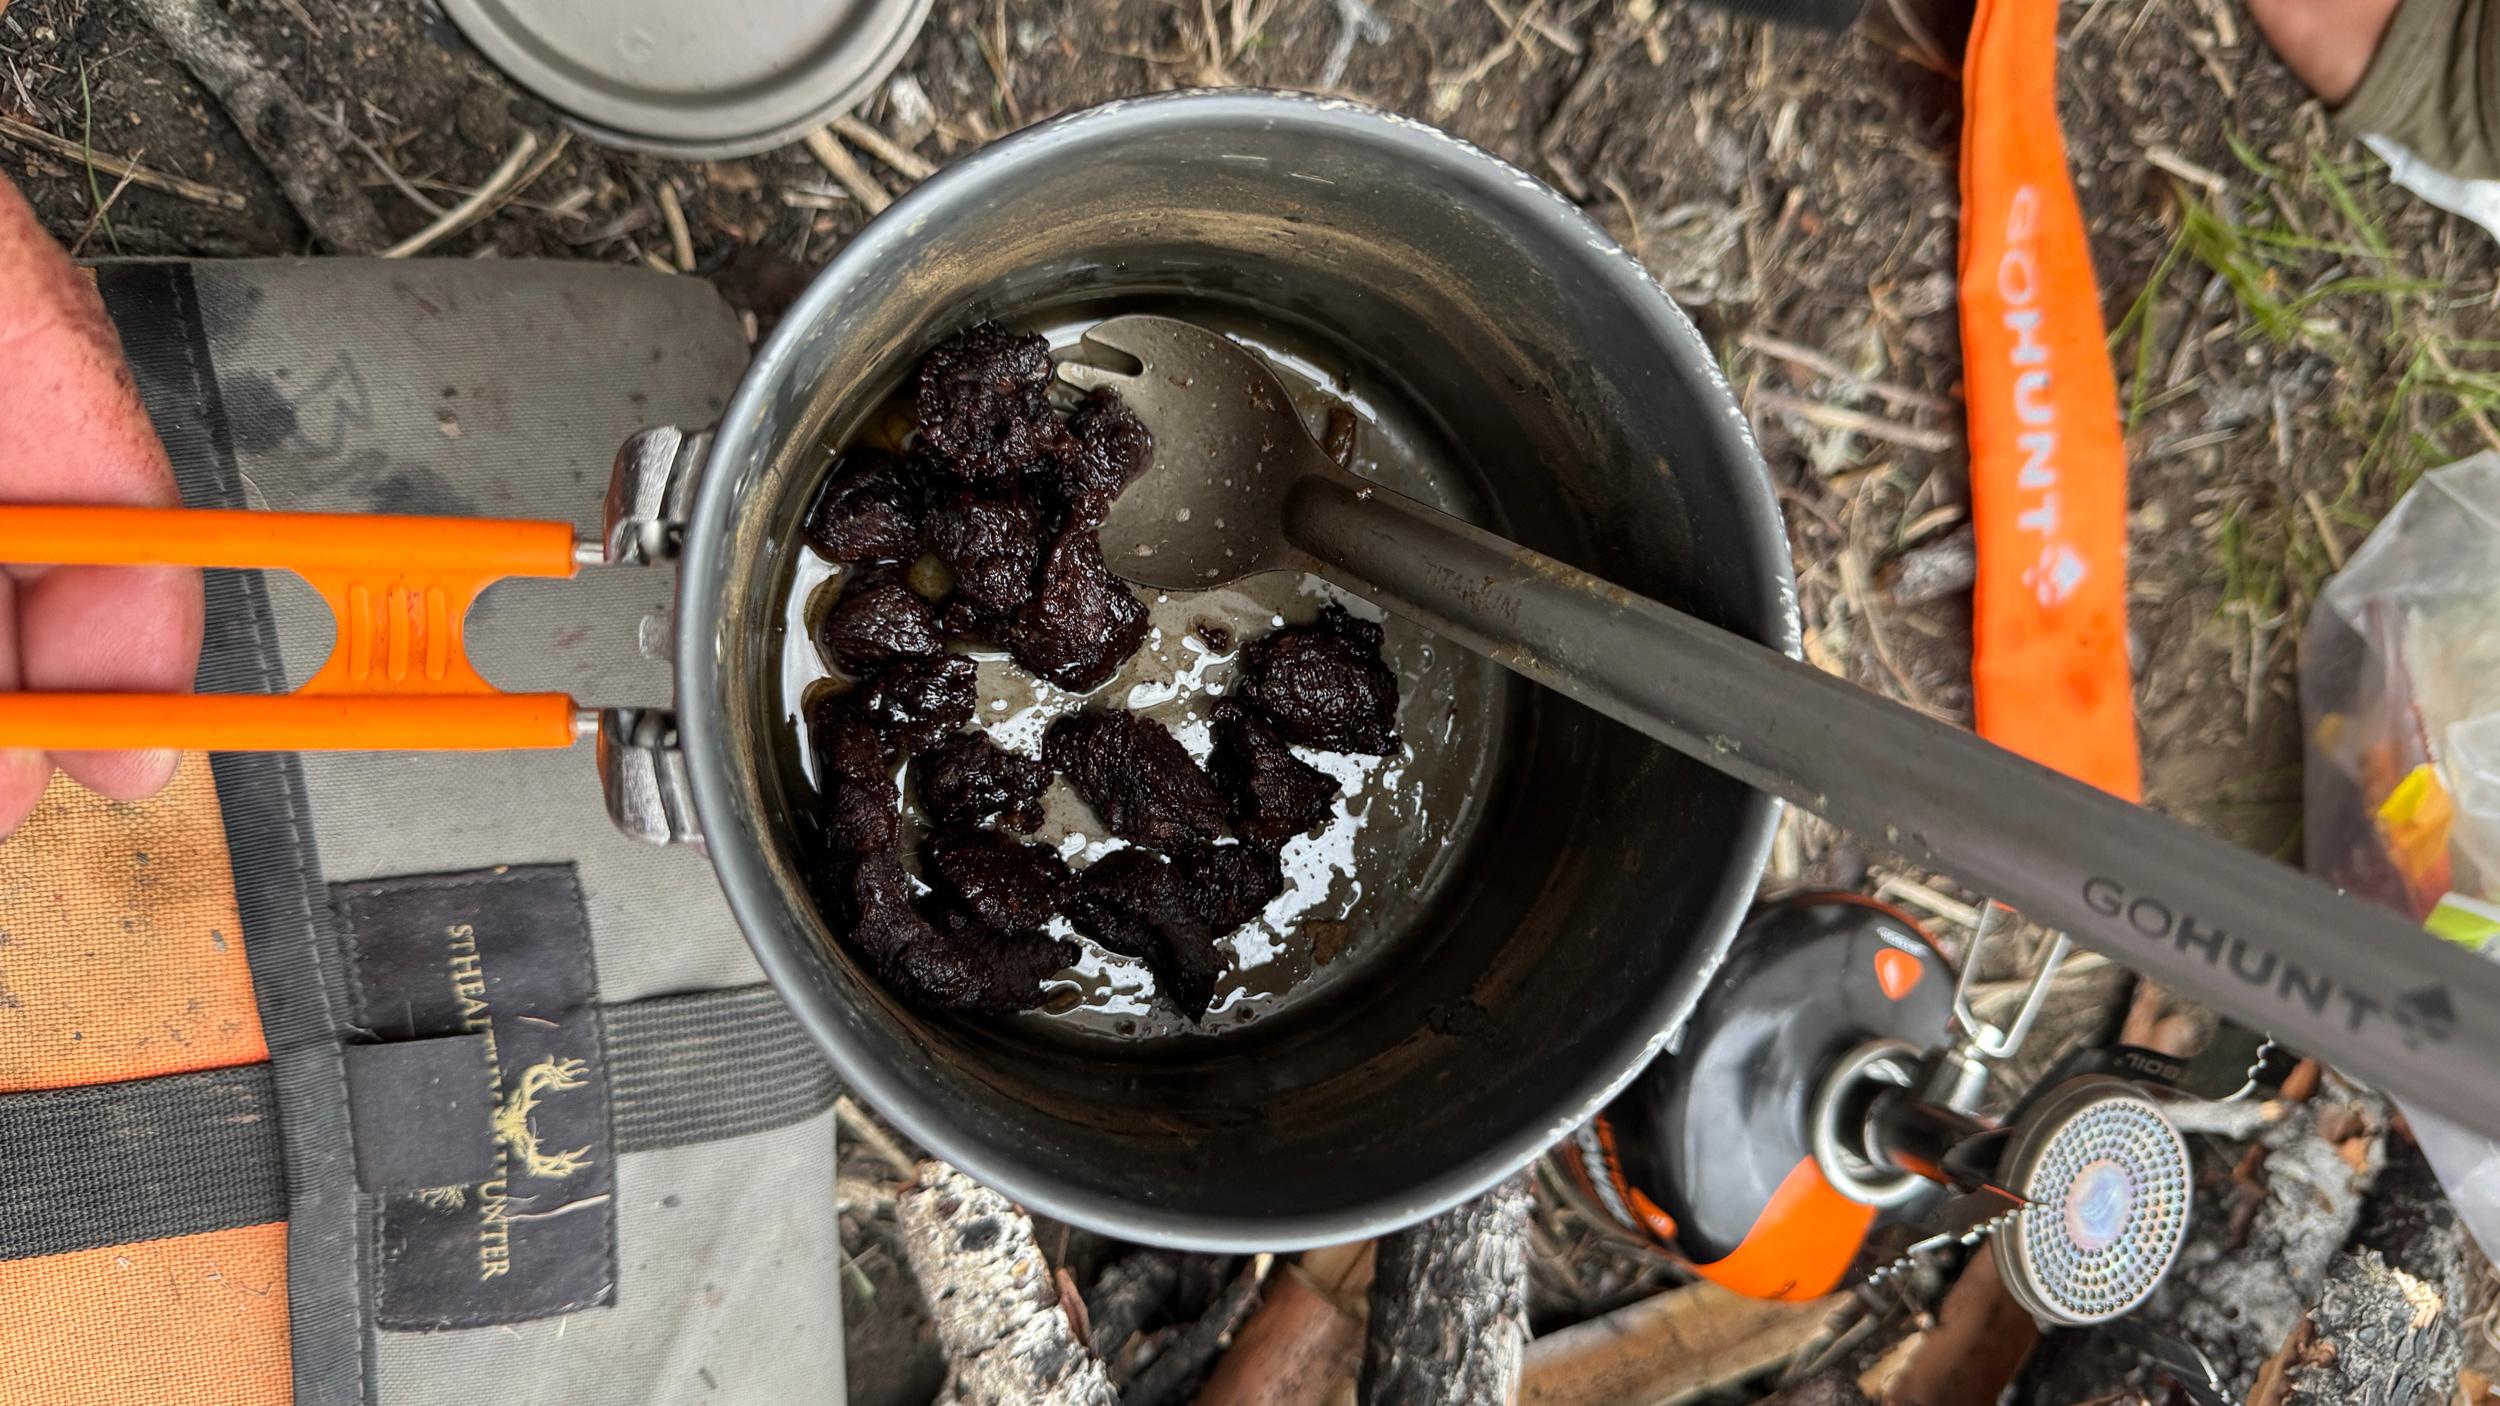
(1782, 349)
(505, 179)
(1833, 417)
(680, 239)
(2166, 159)
(22, 134)
(845, 168)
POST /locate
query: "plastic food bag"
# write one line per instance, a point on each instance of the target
(2400, 700)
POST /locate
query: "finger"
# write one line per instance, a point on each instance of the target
(72, 428)
(23, 775)
(24, 772)
(115, 629)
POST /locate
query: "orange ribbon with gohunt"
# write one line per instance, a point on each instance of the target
(2048, 463)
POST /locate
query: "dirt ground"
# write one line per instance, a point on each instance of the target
(2296, 340)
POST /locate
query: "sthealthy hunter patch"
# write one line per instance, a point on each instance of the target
(503, 954)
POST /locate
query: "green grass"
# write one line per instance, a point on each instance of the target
(86, 144)
(2304, 250)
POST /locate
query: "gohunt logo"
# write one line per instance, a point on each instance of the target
(2058, 569)
(2421, 1015)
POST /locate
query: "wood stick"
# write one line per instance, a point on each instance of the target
(845, 168)
(1979, 1342)
(992, 1297)
(68, 150)
(288, 136)
(908, 165)
(1449, 1315)
(1296, 1351)
(1161, 1381)
(1126, 1294)
(1670, 1347)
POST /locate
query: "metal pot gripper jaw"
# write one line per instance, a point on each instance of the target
(2106, 1180)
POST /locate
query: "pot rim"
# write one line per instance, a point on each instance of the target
(738, 855)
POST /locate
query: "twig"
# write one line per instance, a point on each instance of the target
(1551, 32)
(2326, 530)
(1631, 221)
(1921, 896)
(1670, 1347)
(280, 127)
(103, 214)
(877, 144)
(391, 173)
(1836, 418)
(679, 239)
(1827, 367)
(994, 53)
(1448, 91)
(845, 168)
(2186, 170)
(459, 217)
(869, 1131)
(138, 175)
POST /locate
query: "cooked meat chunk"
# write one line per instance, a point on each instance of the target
(855, 775)
(1007, 884)
(1171, 914)
(1137, 777)
(1108, 446)
(1082, 622)
(983, 404)
(1119, 899)
(1323, 684)
(869, 510)
(956, 963)
(969, 778)
(992, 543)
(1228, 885)
(876, 618)
(916, 703)
(1275, 795)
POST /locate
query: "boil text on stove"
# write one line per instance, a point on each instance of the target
(2426, 1014)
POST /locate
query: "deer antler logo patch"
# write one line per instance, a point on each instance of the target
(512, 1118)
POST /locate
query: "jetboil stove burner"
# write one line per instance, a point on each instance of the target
(2104, 1178)
(1818, 1124)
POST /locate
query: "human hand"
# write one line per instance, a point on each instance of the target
(72, 430)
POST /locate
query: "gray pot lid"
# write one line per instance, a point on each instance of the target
(694, 78)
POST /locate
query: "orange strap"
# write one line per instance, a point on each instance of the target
(2048, 465)
(401, 588)
(123, 959)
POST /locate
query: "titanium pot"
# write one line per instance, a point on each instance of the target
(1605, 875)
(1575, 905)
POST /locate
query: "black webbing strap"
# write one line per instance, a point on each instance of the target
(710, 1065)
(114, 1164)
